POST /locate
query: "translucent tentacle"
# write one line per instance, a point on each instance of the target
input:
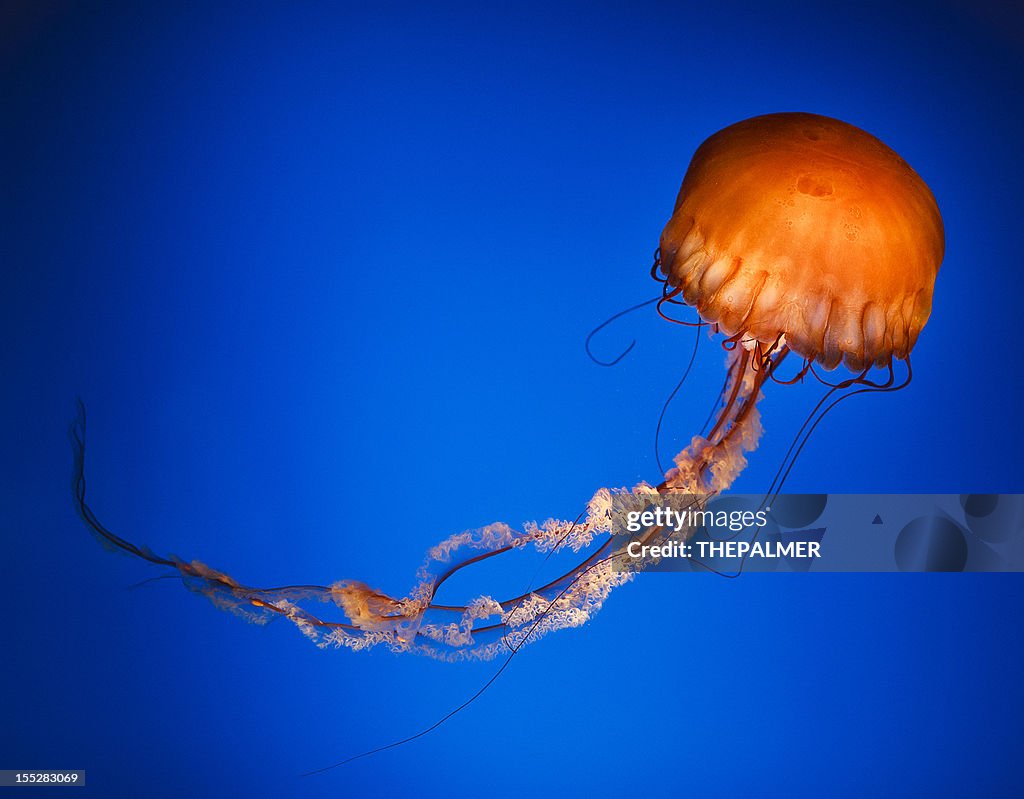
(485, 626)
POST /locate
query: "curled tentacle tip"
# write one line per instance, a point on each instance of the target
(612, 362)
(604, 324)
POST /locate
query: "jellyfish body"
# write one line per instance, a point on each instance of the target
(792, 234)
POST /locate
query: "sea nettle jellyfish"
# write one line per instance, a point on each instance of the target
(794, 236)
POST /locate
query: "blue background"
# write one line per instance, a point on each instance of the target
(322, 275)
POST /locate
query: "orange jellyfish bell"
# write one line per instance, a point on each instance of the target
(804, 226)
(796, 233)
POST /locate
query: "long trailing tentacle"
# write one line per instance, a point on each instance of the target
(480, 629)
(671, 396)
(485, 626)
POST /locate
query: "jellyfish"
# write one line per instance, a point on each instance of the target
(795, 238)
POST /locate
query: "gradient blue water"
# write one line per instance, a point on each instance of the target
(322, 275)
